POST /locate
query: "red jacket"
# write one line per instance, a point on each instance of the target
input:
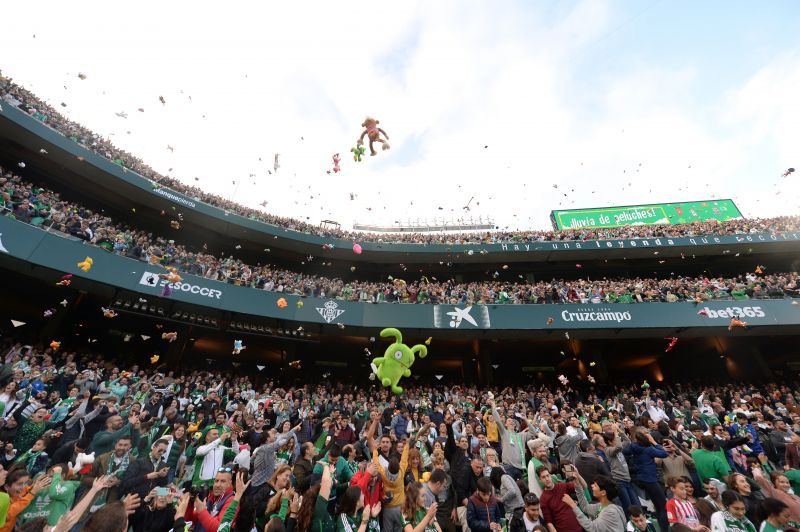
(362, 480)
(203, 518)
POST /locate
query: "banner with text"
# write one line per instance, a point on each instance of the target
(654, 214)
(37, 247)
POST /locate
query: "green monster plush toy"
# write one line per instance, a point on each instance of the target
(397, 360)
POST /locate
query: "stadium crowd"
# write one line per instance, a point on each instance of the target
(39, 206)
(91, 444)
(18, 96)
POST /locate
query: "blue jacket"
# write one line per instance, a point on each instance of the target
(480, 514)
(400, 425)
(643, 465)
(738, 430)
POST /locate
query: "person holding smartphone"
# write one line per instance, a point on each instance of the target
(157, 514)
(557, 514)
(147, 472)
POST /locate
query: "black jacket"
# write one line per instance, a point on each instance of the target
(153, 520)
(136, 481)
(517, 524)
(302, 474)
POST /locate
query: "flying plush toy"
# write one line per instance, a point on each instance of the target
(358, 152)
(170, 336)
(171, 276)
(108, 313)
(166, 291)
(55, 345)
(737, 323)
(282, 303)
(397, 360)
(788, 171)
(154, 359)
(83, 463)
(645, 385)
(175, 224)
(238, 347)
(48, 313)
(373, 132)
(336, 161)
(86, 264)
(672, 341)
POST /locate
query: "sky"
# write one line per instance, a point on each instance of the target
(514, 108)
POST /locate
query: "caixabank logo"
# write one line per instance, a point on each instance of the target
(471, 317)
(733, 312)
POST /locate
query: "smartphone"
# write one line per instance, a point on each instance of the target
(162, 492)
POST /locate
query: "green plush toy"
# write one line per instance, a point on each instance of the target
(358, 152)
(397, 360)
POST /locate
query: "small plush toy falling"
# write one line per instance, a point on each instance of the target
(238, 347)
(108, 313)
(86, 264)
(169, 336)
(336, 160)
(737, 323)
(672, 341)
(358, 152)
(171, 276)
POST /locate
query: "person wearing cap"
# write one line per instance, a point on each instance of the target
(743, 427)
(538, 448)
(116, 427)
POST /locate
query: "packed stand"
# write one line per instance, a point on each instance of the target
(94, 446)
(39, 206)
(17, 96)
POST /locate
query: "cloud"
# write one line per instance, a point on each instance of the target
(444, 78)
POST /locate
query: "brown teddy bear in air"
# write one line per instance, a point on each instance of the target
(374, 133)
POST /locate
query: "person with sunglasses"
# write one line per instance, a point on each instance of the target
(147, 472)
(207, 514)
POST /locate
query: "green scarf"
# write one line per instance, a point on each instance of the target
(29, 459)
(119, 473)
